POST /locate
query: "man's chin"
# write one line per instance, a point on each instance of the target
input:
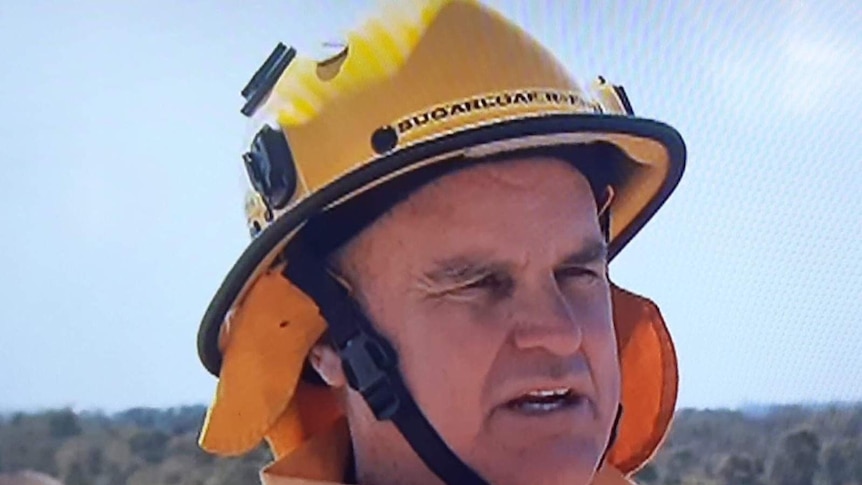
(563, 462)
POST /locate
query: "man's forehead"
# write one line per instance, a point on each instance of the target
(499, 213)
(477, 208)
(487, 182)
(515, 171)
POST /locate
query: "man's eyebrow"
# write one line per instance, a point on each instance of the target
(459, 269)
(464, 268)
(593, 252)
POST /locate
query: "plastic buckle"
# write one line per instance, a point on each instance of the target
(270, 168)
(366, 362)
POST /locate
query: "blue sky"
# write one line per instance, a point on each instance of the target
(121, 202)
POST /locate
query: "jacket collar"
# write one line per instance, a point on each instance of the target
(322, 461)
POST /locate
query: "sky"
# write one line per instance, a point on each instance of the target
(121, 185)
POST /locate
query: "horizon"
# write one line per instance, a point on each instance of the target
(748, 409)
(744, 408)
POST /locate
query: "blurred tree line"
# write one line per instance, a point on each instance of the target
(793, 445)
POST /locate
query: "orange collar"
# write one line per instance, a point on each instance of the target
(322, 461)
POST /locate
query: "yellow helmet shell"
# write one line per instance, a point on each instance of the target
(422, 82)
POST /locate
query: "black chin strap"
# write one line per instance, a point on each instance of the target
(371, 367)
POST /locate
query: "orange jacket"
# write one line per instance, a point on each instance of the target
(323, 460)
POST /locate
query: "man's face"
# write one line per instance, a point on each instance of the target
(491, 283)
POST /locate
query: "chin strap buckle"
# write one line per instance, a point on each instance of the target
(367, 362)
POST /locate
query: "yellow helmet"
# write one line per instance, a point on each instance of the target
(424, 83)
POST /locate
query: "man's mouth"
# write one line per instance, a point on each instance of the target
(541, 401)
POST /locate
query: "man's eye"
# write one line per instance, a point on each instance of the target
(490, 283)
(585, 273)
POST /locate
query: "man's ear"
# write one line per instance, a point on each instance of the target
(325, 360)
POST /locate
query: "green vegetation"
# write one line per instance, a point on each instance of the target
(793, 445)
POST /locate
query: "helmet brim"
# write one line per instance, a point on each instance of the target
(657, 148)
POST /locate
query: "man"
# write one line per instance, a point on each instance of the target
(426, 298)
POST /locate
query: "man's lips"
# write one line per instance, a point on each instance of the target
(545, 400)
(547, 395)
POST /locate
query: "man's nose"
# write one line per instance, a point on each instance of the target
(544, 319)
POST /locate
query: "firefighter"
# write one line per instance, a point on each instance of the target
(426, 298)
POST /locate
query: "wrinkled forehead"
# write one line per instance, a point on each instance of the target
(519, 213)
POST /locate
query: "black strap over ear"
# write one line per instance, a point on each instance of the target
(371, 367)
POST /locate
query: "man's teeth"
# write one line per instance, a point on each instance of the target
(549, 393)
(544, 400)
